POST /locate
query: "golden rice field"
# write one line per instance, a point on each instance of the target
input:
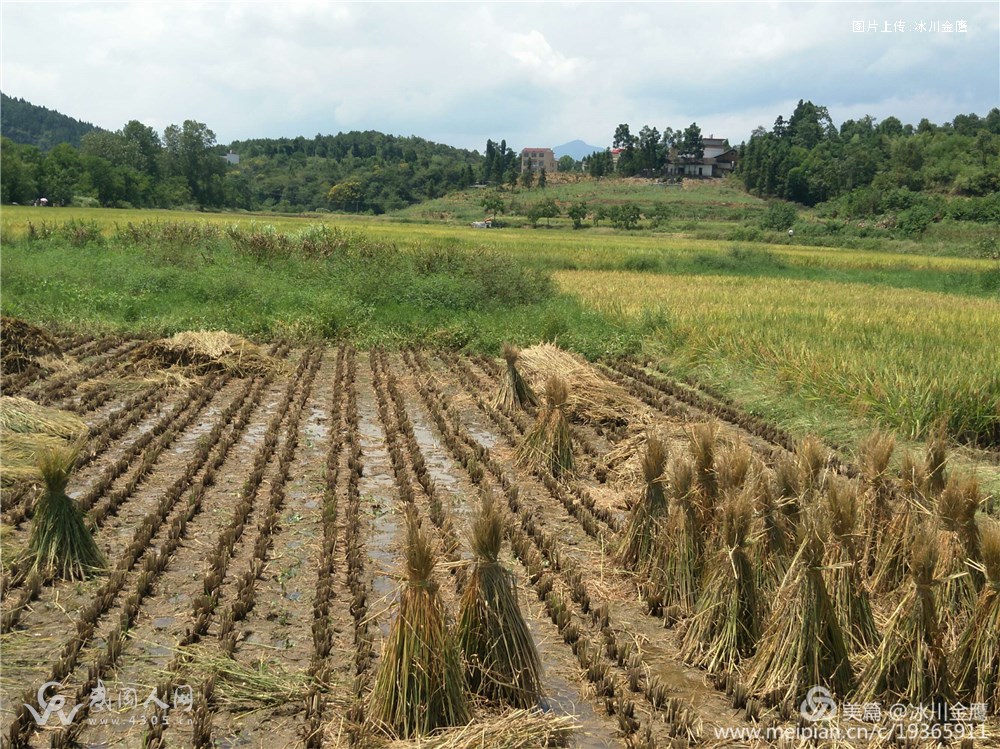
(896, 353)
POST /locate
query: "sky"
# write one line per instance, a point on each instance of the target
(537, 74)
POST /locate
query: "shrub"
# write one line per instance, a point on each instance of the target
(779, 216)
(914, 221)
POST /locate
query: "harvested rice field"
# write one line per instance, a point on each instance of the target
(297, 538)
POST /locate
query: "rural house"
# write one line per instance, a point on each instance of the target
(536, 159)
(716, 161)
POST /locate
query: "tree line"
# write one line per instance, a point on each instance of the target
(807, 159)
(137, 166)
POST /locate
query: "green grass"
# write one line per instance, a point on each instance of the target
(353, 287)
(830, 340)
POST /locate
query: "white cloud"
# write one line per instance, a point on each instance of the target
(533, 73)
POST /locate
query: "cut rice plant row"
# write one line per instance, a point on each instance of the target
(31, 580)
(155, 561)
(572, 494)
(691, 575)
(320, 667)
(223, 436)
(240, 587)
(533, 544)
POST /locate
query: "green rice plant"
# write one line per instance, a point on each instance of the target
(420, 686)
(850, 597)
(910, 664)
(61, 544)
(515, 392)
(803, 644)
(502, 662)
(548, 445)
(727, 619)
(649, 512)
(977, 657)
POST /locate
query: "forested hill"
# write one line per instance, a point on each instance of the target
(24, 122)
(807, 159)
(355, 171)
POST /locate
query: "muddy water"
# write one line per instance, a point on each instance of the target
(379, 502)
(564, 693)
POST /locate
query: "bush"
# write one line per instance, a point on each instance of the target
(625, 216)
(914, 221)
(779, 216)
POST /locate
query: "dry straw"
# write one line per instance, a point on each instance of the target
(910, 664)
(28, 432)
(803, 644)
(548, 445)
(502, 663)
(23, 344)
(727, 617)
(649, 512)
(420, 686)
(957, 539)
(61, 544)
(205, 351)
(678, 555)
(977, 658)
(513, 729)
(515, 392)
(846, 582)
(875, 453)
(592, 397)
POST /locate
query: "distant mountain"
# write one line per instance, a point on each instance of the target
(24, 122)
(575, 148)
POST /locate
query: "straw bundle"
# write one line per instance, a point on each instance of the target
(647, 515)
(548, 445)
(678, 556)
(60, 542)
(515, 392)
(977, 658)
(593, 398)
(936, 464)
(420, 685)
(205, 351)
(910, 663)
(892, 552)
(875, 453)
(502, 663)
(957, 539)
(850, 597)
(811, 458)
(775, 531)
(23, 344)
(803, 644)
(727, 617)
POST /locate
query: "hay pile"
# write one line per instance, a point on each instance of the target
(22, 344)
(592, 398)
(28, 431)
(205, 351)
